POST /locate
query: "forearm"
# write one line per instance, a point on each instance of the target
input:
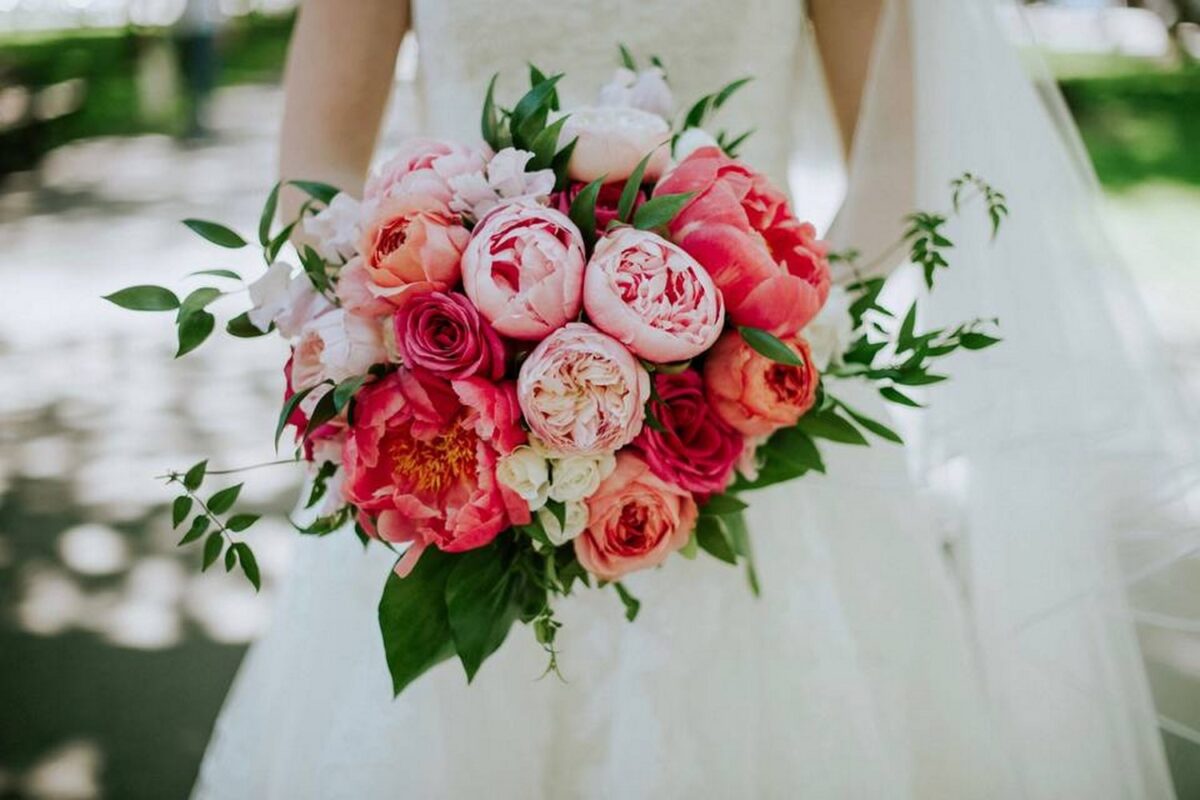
(336, 83)
(845, 31)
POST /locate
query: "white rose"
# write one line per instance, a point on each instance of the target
(831, 332)
(692, 140)
(576, 478)
(646, 90)
(336, 228)
(612, 140)
(286, 298)
(576, 517)
(504, 179)
(336, 346)
(526, 472)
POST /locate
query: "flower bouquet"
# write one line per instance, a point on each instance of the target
(553, 359)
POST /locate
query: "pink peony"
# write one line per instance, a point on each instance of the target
(356, 292)
(582, 392)
(423, 168)
(770, 267)
(635, 520)
(444, 334)
(652, 297)
(696, 449)
(412, 245)
(611, 140)
(524, 270)
(420, 461)
(336, 346)
(755, 394)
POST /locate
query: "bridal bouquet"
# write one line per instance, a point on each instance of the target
(554, 358)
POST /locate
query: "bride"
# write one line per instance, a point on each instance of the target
(873, 666)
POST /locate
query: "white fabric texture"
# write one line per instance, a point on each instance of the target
(863, 670)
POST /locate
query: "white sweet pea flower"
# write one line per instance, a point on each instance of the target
(831, 332)
(646, 90)
(748, 463)
(576, 518)
(285, 297)
(691, 140)
(526, 472)
(503, 180)
(576, 478)
(336, 228)
(336, 346)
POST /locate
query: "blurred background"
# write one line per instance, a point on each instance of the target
(120, 117)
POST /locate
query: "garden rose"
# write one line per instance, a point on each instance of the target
(336, 346)
(575, 515)
(444, 334)
(503, 180)
(582, 392)
(611, 140)
(526, 472)
(524, 270)
(423, 168)
(696, 449)
(576, 478)
(413, 245)
(652, 297)
(420, 461)
(755, 394)
(635, 520)
(770, 267)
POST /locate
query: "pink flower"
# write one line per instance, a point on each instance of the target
(607, 201)
(356, 292)
(769, 266)
(423, 168)
(412, 245)
(506, 180)
(652, 297)
(696, 449)
(524, 270)
(444, 334)
(755, 394)
(582, 392)
(647, 90)
(336, 346)
(635, 520)
(420, 461)
(612, 140)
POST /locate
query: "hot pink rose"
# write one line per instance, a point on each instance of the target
(423, 168)
(770, 267)
(412, 245)
(635, 520)
(420, 461)
(444, 334)
(524, 270)
(696, 449)
(582, 392)
(755, 394)
(607, 201)
(652, 297)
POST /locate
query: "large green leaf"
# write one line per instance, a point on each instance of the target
(216, 233)
(480, 601)
(144, 298)
(830, 425)
(659, 211)
(193, 330)
(413, 618)
(771, 346)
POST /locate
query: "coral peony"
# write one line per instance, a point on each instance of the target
(755, 394)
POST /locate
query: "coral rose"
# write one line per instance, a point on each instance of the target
(582, 392)
(635, 520)
(694, 449)
(444, 334)
(652, 297)
(412, 245)
(610, 141)
(755, 394)
(524, 270)
(770, 267)
(420, 461)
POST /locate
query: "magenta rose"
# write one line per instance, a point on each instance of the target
(523, 270)
(444, 334)
(652, 297)
(695, 449)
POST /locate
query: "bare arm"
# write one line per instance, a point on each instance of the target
(845, 32)
(339, 72)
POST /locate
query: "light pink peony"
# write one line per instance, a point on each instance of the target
(504, 180)
(635, 520)
(582, 392)
(423, 168)
(336, 346)
(652, 297)
(356, 292)
(412, 245)
(755, 394)
(524, 270)
(611, 140)
(444, 334)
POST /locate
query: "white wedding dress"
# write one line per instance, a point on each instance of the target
(869, 668)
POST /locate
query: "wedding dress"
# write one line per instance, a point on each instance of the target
(868, 668)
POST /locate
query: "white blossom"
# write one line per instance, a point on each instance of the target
(646, 90)
(285, 297)
(831, 332)
(527, 473)
(576, 517)
(336, 229)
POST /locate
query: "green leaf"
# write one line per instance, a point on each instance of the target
(877, 428)
(896, 396)
(905, 340)
(631, 603)
(583, 209)
(830, 425)
(240, 522)
(223, 500)
(711, 538)
(720, 504)
(249, 564)
(281, 239)
(321, 192)
(346, 390)
(287, 410)
(241, 327)
(324, 411)
(533, 104)
(212, 549)
(144, 298)
(479, 604)
(268, 216)
(739, 537)
(545, 144)
(536, 76)
(690, 549)
(195, 476)
(490, 123)
(180, 509)
(413, 618)
(771, 346)
(729, 91)
(559, 164)
(632, 187)
(193, 330)
(216, 233)
(627, 58)
(196, 300)
(199, 528)
(230, 559)
(978, 341)
(220, 273)
(659, 211)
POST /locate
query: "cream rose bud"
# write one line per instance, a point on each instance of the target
(286, 298)
(527, 474)
(336, 229)
(831, 332)
(575, 517)
(575, 478)
(692, 140)
(612, 140)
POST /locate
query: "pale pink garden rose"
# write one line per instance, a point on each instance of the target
(503, 180)
(336, 346)
(423, 168)
(646, 90)
(523, 270)
(652, 297)
(612, 140)
(635, 520)
(582, 392)
(413, 244)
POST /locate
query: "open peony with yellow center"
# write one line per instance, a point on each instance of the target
(652, 297)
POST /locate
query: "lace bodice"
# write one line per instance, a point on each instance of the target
(703, 44)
